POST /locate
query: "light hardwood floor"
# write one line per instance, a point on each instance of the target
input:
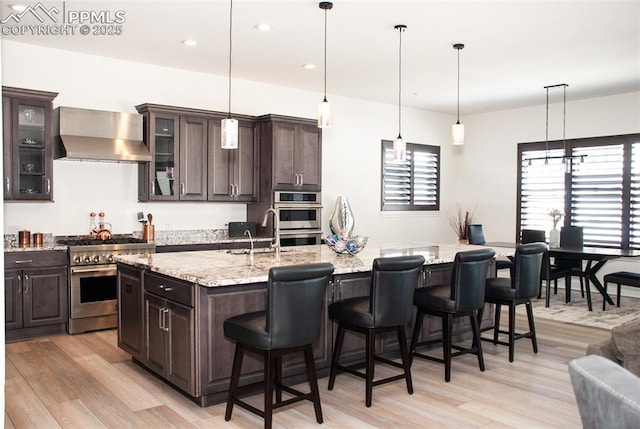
(85, 381)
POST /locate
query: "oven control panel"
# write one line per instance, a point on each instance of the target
(81, 258)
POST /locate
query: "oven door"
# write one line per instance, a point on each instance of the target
(300, 238)
(93, 291)
(299, 216)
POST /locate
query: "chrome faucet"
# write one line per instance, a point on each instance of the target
(275, 244)
(247, 232)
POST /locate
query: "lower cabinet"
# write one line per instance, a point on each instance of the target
(36, 294)
(169, 331)
(130, 310)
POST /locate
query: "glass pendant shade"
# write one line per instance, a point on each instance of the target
(399, 150)
(229, 133)
(457, 133)
(325, 115)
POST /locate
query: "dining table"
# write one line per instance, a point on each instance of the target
(595, 257)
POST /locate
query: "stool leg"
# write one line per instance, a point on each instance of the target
(589, 303)
(417, 327)
(475, 325)
(496, 324)
(512, 330)
(313, 381)
(619, 292)
(447, 333)
(268, 388)
(406, 362)
(337, 349)
(604, 300)
(235, 378)
(532, 326)
(548, 297)
(278, 377)
(370, 353)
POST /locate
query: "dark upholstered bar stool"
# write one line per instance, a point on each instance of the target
(523, 285)
(619, 278)
(573, 237)
(549, 271)
(388, 307)
(475, 235)
(291, 322)
(464, 296)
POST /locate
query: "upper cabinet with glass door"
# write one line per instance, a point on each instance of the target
(28, 155)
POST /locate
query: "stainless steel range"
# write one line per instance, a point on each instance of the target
(92, 274)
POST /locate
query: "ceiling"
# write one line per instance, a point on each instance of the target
(512, 48)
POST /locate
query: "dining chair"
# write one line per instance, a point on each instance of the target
(475, 235)
(549, 272)
(572, 237)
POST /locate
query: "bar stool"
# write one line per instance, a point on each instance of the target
(523, 285)
(388, 307)
(475, 235)
(464, 296)
(291, 322)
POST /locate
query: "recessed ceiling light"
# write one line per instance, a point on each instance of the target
(18, 7)
(189, 42)
(309, 66)
(263, 27)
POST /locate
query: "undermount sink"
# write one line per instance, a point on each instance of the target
(255, 251)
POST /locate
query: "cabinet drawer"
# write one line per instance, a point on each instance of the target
(165, 287)
(38, 258)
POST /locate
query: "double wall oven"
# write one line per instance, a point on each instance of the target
(93, 280)
(300, 216)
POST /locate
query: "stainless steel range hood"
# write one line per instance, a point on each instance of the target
(98, 135)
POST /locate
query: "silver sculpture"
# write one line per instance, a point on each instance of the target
(342, 221)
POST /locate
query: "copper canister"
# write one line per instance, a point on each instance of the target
(24, 238)
(148, 232)
(37, 239)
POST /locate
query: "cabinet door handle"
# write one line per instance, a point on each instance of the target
(19, 284)
(153, 188)
(165, 311)
(23, 261)
(161, 319)
(48, 186)
(182, 188)
(301, 179)
(8, 184)
(26, 284)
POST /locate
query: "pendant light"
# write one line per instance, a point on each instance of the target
(325, 115)
(229, 125)
(457, 130)
(399, 146)
(566, 161)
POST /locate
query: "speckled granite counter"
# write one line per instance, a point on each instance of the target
(223, 268)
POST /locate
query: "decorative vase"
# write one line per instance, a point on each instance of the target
(342, 221)
(463, 241)
(554, 238)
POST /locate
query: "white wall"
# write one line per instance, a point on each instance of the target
(351, 150)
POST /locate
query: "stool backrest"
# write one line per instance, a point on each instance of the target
(571, 236)
(295, 299)
(475, 234)
(394, 279)
(468, 278)
(527, 264)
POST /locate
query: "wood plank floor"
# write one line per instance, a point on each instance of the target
(85, 381)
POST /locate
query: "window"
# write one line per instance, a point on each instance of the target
(601, 193)
(413, 184)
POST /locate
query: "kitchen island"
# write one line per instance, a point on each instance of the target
(171, 308)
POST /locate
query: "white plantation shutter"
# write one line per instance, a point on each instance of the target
(596, 194)
(542, 189)
(634, 235)
(413, 184)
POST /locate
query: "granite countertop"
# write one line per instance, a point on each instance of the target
(211, 268)
(34, 249)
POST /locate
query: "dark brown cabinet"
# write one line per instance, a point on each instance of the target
(233, 172)
(291, 153)
(192, 174)
(27, 142)
(36, 293)
(169, 331)
(130, 310)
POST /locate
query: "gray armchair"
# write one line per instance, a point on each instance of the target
(608, 395)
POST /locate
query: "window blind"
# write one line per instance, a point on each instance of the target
(634, 234)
